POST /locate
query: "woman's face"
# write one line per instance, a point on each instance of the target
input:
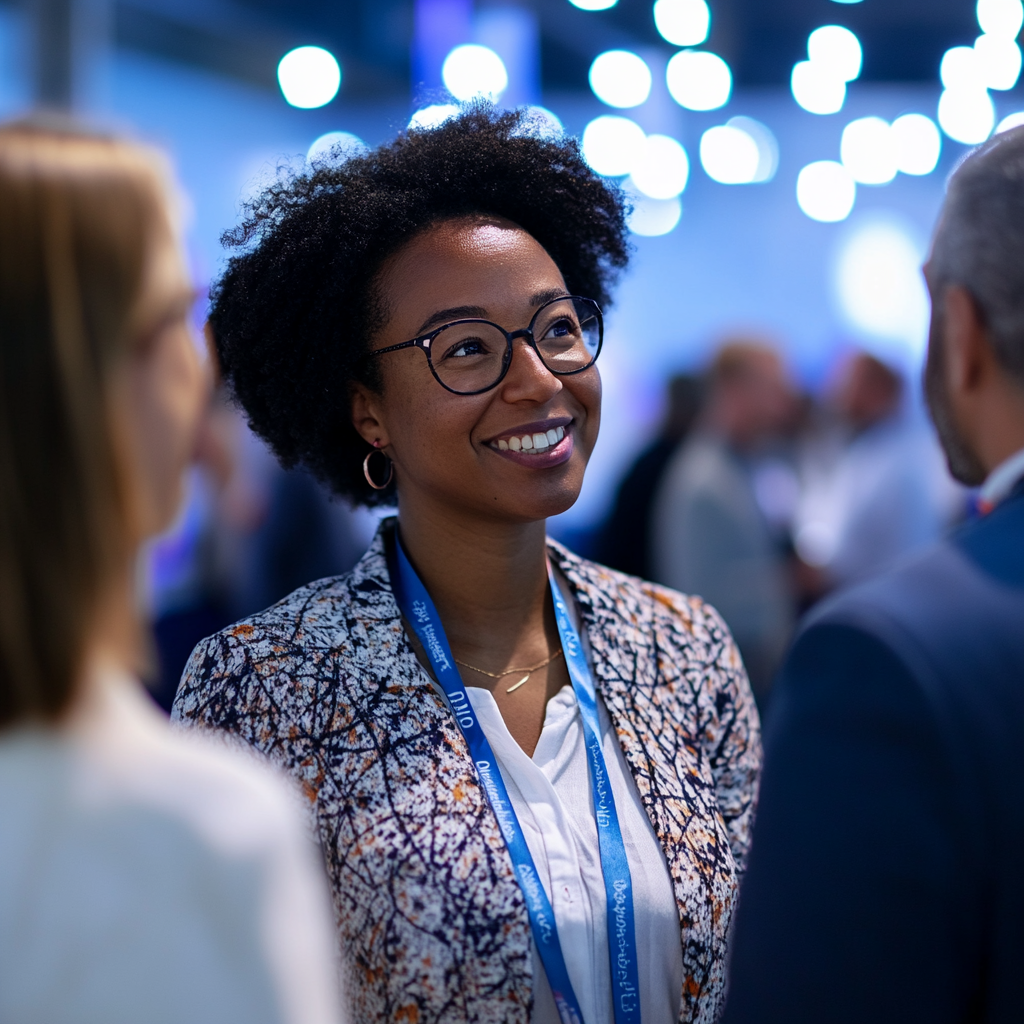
(457, 451)
(159, 394)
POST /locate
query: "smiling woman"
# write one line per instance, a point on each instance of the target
(554, 829)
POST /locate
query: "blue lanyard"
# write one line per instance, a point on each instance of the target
(419, 610)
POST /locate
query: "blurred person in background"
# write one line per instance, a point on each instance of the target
(421, 325)
(625, 539)
(885, 878)
(144, 875)
(711, 535)
(873, 487)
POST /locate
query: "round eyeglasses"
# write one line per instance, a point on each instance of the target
(468, 357)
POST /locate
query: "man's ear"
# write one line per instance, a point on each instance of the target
(367, 417)
(969, 354)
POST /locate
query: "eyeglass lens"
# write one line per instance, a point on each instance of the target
(469, 357)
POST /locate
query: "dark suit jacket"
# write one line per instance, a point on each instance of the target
(886, 877)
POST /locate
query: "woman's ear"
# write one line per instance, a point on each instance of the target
(367, 417)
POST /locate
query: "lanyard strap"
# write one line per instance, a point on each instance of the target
(419, 611)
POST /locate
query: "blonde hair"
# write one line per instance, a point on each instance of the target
(78, 214)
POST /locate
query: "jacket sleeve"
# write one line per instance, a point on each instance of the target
(846, 913)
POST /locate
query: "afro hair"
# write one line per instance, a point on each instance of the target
(296, 310)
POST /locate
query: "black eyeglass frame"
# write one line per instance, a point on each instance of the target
(426, 340)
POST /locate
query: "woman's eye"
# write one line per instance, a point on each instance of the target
(469, 347)
(561, 329)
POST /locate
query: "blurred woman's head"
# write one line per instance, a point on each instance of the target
(100, 391)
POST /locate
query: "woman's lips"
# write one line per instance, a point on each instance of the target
(536, 449)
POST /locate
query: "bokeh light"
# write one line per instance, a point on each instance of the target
(880, 287)
(335, 147)
(611, 143)
(620, 78)
(825, 191)
(816, 89)
(653, 217)
(836, 49)
(1000, 17)
(867, 151)
(1014, 120)
(999, 61)
(593, 5)
(660, 167)
(699, 80)
(917, 144)
(767, 146)
(966, 114)
(432, 116)
(729, 155)
(309, 77)
(683, 22)
(959, 69)
(472, 71)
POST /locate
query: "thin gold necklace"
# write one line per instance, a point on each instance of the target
(511, 671)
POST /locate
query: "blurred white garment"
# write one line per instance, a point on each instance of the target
(149, 876)
(868, 501)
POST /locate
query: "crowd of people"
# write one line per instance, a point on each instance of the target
(531, 787)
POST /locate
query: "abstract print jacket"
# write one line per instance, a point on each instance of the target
(432, 922)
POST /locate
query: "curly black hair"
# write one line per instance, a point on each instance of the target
(296, 310)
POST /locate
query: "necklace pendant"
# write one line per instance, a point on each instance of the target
(517, 685)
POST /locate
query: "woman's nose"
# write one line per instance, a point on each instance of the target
(528, 379)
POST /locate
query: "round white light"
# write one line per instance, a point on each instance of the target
(999, 60)
(699, 80)
(610, 144)
(917, 143)
(660, 167)
(825, 191)
(961, 69)
(966, 115)
(309, 77)
(837, 50)
(1000, 17)
(593, 5)
(767, 146)
(729, 155)
(816, 89)
(1010, 121)
(432, 116)
(471, 70)
(880, 287)
(620, 78)
(683, 22)
(867, 151)
(540, 123)
(336, 147)
(652, 217)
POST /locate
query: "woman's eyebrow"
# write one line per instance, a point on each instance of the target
(455, 313)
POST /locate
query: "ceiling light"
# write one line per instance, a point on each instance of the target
(653, 217)
(699, 80)
(432, 116)
(610, 144)
(867, 151)
(825, 191)
(660, 167)
(309, 77)
(816, 89)
(729, 155)
(473, 71)
(1001, 17)
(620, 78)
(837, 50)
(336, 147)
(683, 22)
(916, 143)
(1010, 121)
(999, 61)
(767, 146)
(967, 115)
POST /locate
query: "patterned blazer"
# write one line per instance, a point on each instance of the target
(432, 920)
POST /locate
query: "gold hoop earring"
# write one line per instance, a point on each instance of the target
(366, 470)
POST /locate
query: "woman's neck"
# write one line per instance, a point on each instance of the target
(488, 580)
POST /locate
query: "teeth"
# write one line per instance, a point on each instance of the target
(532, 442)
